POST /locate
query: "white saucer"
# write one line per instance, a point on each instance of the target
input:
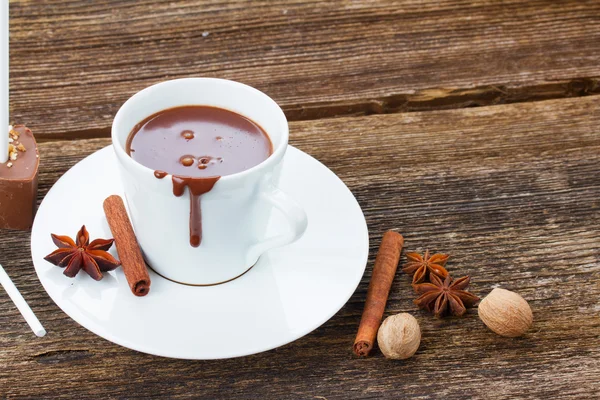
(287, 294)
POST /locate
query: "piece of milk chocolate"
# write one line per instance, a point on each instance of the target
(19, 180)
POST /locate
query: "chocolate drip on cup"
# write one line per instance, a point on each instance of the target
(197, 187)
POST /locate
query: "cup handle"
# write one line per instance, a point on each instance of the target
(293, 212)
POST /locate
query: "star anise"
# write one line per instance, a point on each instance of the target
(423, 266)
(445, 297)
(93, 257)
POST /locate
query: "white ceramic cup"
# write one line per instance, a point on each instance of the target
(235, 213)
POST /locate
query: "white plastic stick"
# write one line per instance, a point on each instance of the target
(4, 106)
(20, 302)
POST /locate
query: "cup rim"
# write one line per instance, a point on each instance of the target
(272, 159)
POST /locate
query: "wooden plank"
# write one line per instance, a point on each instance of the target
(511, 192)
(74, 63)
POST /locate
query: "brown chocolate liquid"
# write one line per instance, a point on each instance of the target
(197, 145)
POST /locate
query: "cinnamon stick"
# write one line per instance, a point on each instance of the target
(127, 245)
(384, 270)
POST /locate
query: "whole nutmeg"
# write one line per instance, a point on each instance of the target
(505, 313)
(399, 336)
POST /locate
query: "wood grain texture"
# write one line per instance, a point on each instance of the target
(73, 63)
(512, 192)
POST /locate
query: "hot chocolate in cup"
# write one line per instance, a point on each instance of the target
(206, 226)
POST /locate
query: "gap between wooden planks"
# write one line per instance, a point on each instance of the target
(74, 63)
(511, 192)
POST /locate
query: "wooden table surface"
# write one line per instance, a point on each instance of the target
(470, 127)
